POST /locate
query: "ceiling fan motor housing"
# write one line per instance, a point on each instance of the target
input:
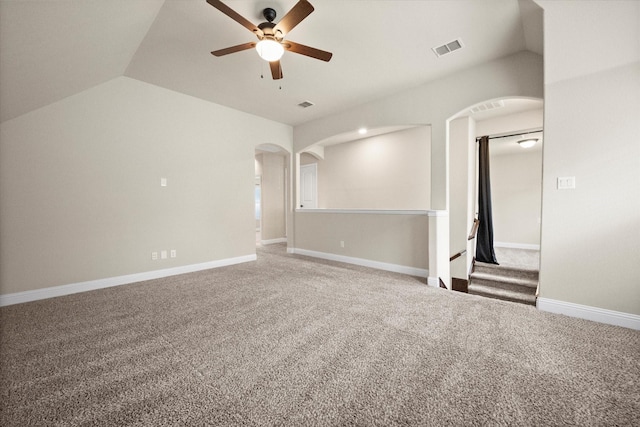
(267, 31)
(269, 14)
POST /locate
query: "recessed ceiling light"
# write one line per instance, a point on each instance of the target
(362, 131)
(528, 143)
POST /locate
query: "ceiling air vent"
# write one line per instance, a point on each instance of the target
(305, 104)
(447, 48)
(487, 106)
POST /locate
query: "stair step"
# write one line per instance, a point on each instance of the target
(528, 290)
(507, 281)
(502, 294)
(502, 270)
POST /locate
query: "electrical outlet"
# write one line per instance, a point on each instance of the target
(342, 243)
(154, 256)
(566, 182)
(163, 255)
(174, 253)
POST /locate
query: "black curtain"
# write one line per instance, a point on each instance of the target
(484, 244)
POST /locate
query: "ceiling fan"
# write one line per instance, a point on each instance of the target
(271, 44)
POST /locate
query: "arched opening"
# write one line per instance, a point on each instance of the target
(271, 194)
(515, 178)
(373, 199)
(381, 168)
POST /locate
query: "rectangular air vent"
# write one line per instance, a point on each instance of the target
(487, 106)
(305, 104)
(446, 48)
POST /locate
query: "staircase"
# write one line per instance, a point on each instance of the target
(507, 283)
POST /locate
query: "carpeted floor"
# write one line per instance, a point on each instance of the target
(520, 258)
(293, 341)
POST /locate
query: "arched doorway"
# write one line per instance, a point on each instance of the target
(271, 194)
(516, 180)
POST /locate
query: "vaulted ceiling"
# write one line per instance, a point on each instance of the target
(51, 49)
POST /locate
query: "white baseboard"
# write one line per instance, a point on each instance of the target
(273, 241)
(516, 245)
(596, 314)
(57, 291)
(412, 271)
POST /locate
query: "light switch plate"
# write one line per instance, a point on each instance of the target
(163, 182)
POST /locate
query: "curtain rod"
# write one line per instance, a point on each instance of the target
(512, 134)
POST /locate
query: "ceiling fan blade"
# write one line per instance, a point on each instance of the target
(276, 70)
(301, 10)
(235, 16)
(307, 50)
(233, 49)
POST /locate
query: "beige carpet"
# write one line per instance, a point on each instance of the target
(293, 341)
(520, 258)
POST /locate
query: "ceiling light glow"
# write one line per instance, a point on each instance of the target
(362, 131)
(269, 50)
(528, 143)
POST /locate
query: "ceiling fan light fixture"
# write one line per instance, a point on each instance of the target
(528, 143)
(269, 50)
(272, 45)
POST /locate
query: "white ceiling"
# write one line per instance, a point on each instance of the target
(51, 49)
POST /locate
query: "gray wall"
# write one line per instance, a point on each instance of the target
(80, 194)
(590, 243)
(390, 171)
(401, 240)
(516, 192)
(273, 196)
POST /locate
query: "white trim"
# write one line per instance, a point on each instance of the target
(273, 241)
(412, 271)
(516, 245)
(372, 211)
(433, 282)
(57, 291)
(596, 314)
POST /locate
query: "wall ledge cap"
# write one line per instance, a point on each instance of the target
(374, 211)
